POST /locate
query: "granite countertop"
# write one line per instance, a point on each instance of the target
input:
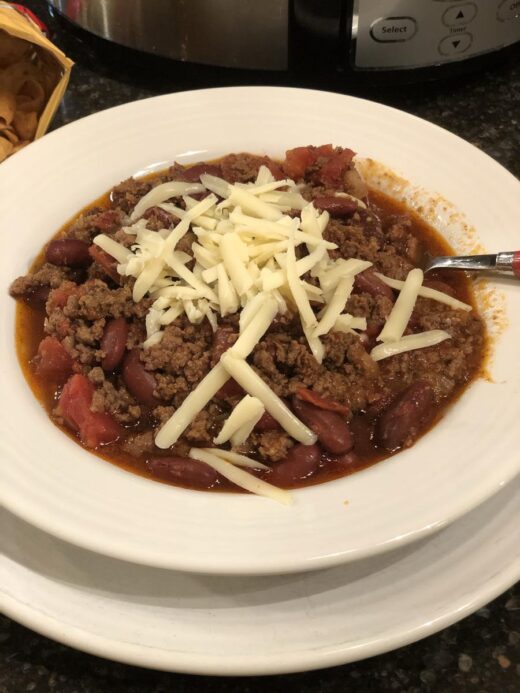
(480, 654)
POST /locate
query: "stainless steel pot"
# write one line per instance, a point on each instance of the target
(231, 33)
(334, 36)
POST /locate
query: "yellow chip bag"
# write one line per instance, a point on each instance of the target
(33, 77)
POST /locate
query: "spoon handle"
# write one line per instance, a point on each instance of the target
(509, 261)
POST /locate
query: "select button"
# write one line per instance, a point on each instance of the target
(393, 29)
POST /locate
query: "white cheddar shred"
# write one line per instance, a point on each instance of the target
(241, 478)
(401, 312)
(113, 248)
(297, 290)
(161, 193)
(409, 343)
(426, 292)
(255, 329)
(247, 378)
(335, 307)
(237, 459)
(247, 412)
(194, 403)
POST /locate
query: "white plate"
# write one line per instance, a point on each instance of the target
(238, 626)
(54, 484)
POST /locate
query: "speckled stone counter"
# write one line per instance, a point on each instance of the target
(482, 653)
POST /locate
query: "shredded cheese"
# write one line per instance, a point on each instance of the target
(113, 248)
(241, 478)
(335, 307)
(251, 382)
(403, 307)
(245, 416)
(237, 459)
(194, 403)
(426, 292)
(161, 193)
(297, 290)
(347, 323)
(409, 343)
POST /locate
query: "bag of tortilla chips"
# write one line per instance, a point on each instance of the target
(33, 77)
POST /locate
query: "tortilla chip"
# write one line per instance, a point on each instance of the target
(13, 76)
(30, 96)
(9, 134)
(20, 145)
(6, 148)
(7, 106)
(25, 124)
(12, 49)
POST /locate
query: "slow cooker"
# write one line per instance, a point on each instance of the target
(353, 36)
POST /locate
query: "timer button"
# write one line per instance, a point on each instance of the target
(460, 15)
(455, 44)
(393, 29)
(509, 10)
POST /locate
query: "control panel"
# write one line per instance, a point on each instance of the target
(399, 34)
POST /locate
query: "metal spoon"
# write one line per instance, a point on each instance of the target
(506, 263)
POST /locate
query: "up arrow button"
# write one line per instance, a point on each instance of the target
(461, 15)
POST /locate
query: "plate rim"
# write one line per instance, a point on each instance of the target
(301, 660)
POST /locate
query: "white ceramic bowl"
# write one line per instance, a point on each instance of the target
(50, 481)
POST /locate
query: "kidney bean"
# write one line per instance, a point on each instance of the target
(400, 424)
(348, 461)
(336, 206)
(301, 462)
(369, 337)
(68, 252)
(184, 470)
(378, 406)
(193, 173)
(223, 339)
(332, 430)
(367, 282)
(140, 382)
(107, 263)
(37, 296)
(322, 402)
(158, 218)
(230, 389)
(113, 343)
(439, 285)
(267, 423)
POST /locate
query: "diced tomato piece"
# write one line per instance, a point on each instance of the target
(52, 361)
(94, 428)
(321, 402)
(325, 150)
(331, 173)
(58, 297)
(105, 261)
(275, 169)
(298, 160)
